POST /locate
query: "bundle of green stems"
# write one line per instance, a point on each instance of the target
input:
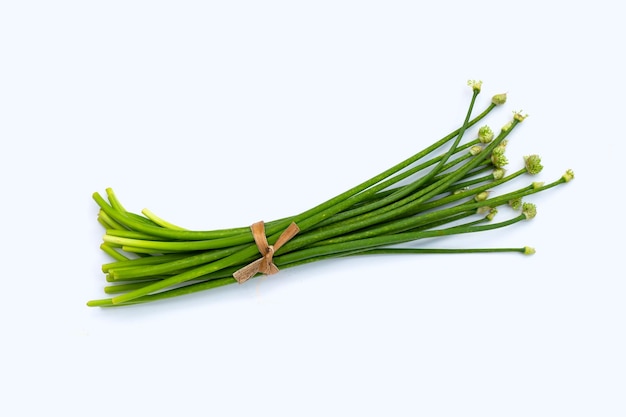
(445, 189)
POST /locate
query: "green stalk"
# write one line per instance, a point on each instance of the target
(465, 193)
(300, 256)
(423, 251)
(415, 221)
(216, 266)
(142, 262)
(174, 265)
(116, 211)
(384, 186)
(391, 239)
(113, 253)
(392, 211)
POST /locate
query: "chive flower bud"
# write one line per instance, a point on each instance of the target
(485, 134)
(476, 85)
(499, 99)
(516, 203)
(517, 115)
(482, 196)
(507, 126)
(533, 164)
(498, 173)
(492, 214)
(528, 250)
(568, 176)
(529, 210)
(475, 150)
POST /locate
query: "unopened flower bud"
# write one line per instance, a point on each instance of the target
(482, 196)
(475, 150)
(516, 203)
(507, 126)
(492, 214)
(528, 250)
(498, 173)
(568, 176)
(499, 99)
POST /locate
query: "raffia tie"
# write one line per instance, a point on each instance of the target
(264, 264)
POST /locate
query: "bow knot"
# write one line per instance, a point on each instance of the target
(265, 264)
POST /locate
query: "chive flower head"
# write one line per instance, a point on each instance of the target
(517, 115)
(476, 85)
(568, 176)
(529, 210)
(533, 164)
(497, 156)
(485, 134)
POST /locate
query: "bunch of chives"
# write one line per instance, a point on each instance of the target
(445, 189)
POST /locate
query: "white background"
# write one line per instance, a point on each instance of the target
(219, 114)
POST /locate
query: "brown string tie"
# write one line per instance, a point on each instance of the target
(264, 264)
